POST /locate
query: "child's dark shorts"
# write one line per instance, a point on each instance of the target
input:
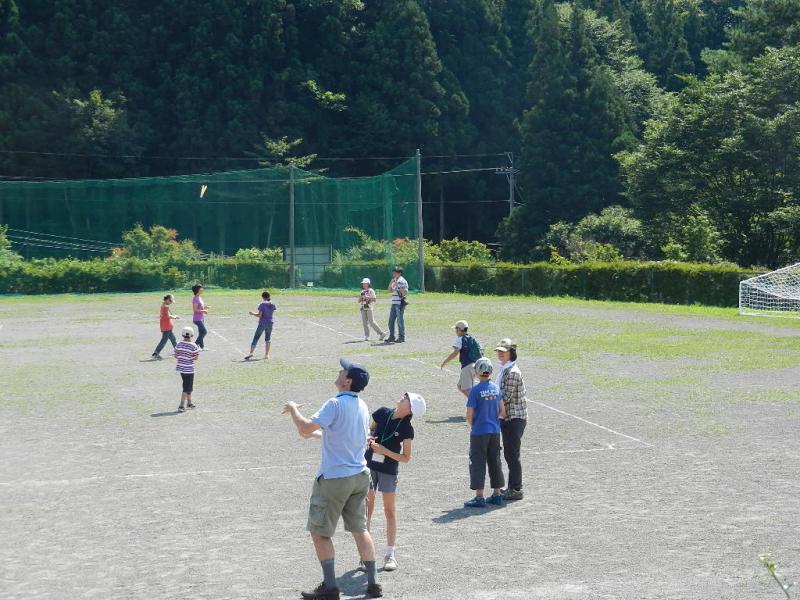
(188, 382)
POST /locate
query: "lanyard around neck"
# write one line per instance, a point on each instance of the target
(385, 437)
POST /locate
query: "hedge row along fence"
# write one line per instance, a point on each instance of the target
(667, 282)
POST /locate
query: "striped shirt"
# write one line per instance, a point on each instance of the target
(186, 353)
(512, 390)
(398, 284)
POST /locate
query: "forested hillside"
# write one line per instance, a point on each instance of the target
(641, 128)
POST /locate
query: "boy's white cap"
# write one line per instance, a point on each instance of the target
(187, 332)
(462, 325)
(483, 366)
(366, 280)
(417, 404)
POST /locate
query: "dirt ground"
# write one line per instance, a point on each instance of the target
(646, 475)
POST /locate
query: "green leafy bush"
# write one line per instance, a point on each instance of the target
(158, 243)
(271, 255)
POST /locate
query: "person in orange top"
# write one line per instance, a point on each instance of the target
(165, 319)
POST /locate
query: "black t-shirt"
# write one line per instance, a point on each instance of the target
(390, 433)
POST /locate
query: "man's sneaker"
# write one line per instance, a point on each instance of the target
(374, 590)
(366, 338)
(181, 408)
(476, 502)
(496, 499)
(248, 357)
(361, 567)
(322, 592)
(155, 356)
(510, 495)
(391, 339)
(382, 337)
(389, 563)
(401, 339)
(190, 405)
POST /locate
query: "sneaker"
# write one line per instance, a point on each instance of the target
(181, 408)
(382, 337)
(496, 499)
(361, 567)
(391, 339)
(389, 564)
(248, 357)
(366, 338)
(476, 502)
(401, 339)
(190, 405)
(510, 495)
(156, 357)
(374, 590)
(322, 592)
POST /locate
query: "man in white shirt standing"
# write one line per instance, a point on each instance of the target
(398, 286)
(340, 488)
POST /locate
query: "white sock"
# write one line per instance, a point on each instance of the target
(389, 551)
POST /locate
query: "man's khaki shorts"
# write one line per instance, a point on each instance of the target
(467, 377)
(332, 498)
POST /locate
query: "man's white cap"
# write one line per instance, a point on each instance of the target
(187, 332)
(461, 325)
(417, 404)
(366, 280)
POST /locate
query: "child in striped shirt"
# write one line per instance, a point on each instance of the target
(186, 353)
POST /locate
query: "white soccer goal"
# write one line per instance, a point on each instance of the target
(773, 294)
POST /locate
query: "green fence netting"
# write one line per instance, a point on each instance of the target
(222, 212)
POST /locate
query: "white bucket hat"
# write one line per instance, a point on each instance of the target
(417, 404)
(366, 280)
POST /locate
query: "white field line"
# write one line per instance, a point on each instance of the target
(562, 412)
(80, 480)
(226, 340)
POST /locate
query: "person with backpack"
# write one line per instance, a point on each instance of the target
(468, 350)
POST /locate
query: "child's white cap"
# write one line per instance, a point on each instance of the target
(417, 404)
(187, 332)
(366, 280)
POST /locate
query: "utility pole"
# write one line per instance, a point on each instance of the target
(292, 249)
(510, 173)
(420, 239)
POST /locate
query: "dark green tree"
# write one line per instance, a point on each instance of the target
(727, 149)
(575, 124)
(764, 23)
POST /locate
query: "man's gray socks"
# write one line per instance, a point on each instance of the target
(329, 572)
(371, 571)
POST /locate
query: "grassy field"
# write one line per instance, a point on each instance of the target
(661, 455)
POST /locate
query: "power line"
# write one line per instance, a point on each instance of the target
(64, 237)
(239, 158)
(35, 244)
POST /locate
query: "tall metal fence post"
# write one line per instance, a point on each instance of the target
(292, 249)
(420, 238)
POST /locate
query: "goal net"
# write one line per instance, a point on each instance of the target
(772, 294)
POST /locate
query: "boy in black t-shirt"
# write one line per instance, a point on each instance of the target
(390, 444)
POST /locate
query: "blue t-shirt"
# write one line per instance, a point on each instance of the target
(484, 400)
(266, 309)
(345, 426)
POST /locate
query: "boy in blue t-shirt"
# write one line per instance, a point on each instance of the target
(484, 411)
(264, 313)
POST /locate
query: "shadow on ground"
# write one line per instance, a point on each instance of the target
(167, 414)
(461, 513)
(449, 420)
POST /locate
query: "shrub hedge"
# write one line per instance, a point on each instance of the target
(632, 281)
(50, 276)
(667, 282)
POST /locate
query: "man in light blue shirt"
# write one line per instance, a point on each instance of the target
(340, 488)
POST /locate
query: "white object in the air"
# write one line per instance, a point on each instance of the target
(203, 189)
